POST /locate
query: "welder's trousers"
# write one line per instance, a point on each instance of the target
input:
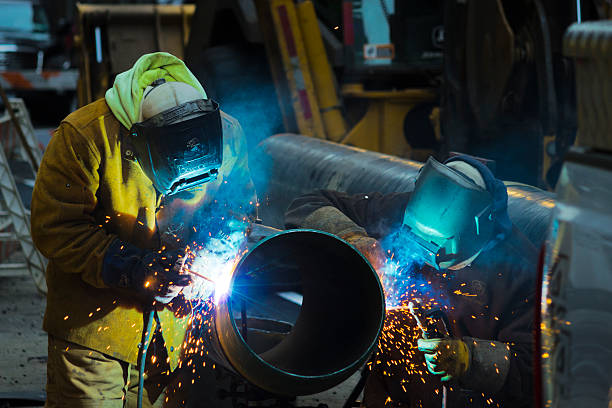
(80, 377)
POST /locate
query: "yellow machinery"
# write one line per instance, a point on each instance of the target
(295, 44)
(382, 127)
(297, 69)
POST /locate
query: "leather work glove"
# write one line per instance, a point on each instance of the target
(151, 274)
(448, 357)
(332, 220)
(369, 247)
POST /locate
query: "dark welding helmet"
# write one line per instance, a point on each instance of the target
(180, 147)
(448, 216)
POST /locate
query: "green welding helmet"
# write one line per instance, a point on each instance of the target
(448, 216)
(180, 154)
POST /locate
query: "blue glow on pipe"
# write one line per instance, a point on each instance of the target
(578, 12)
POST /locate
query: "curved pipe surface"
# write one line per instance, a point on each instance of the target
(339, 313)
(289, 165)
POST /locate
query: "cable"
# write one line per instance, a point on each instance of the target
(144, 345)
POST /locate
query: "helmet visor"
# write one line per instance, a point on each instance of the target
(448, 215)
(182, 155)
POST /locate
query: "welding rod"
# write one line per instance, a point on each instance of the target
(430, 331)
(423, 321)
(417, 312)
(199, 275)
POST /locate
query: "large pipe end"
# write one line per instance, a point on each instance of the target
(334, 329)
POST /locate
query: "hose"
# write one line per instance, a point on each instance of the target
(144, 345)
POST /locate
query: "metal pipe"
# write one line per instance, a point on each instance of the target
(336, 326)
(289, 165)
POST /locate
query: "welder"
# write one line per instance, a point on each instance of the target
(455, 218)
(102, 214)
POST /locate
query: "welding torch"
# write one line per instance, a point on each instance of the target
(434, 325)
(433, 322)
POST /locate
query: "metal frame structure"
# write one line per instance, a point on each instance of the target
(13, 208)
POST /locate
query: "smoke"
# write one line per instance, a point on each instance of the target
(257, 113)
(238, 77)
(404, 279)
(218, 236)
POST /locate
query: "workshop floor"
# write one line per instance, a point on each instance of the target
(23, 352)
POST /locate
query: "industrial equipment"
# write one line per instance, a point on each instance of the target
(372, 74)
(574, 338)
(433, 322)
(508, 92)
(14, 207)
(575, 353)
(383, 75)
(368, 73)
(31, 58)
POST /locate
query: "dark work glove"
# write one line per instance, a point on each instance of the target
(152, 274)
(478, 365)
(370, 248)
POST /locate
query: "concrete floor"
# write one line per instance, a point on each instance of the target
(23, 352)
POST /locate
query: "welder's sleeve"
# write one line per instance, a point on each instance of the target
(63, 201)
(374, 213)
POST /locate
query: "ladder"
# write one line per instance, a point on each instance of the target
(14, 216)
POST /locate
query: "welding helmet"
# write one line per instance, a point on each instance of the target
(179, 142)
(452, 217)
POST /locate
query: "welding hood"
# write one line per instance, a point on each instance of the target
(449, 217)
(180, 155)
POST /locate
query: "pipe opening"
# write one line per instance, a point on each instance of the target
(313, 308)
